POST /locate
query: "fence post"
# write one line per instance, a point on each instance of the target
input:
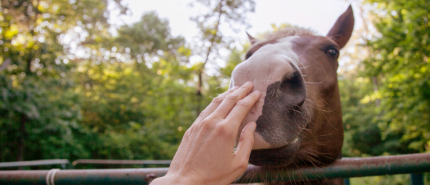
(417, 179)
(346, 181)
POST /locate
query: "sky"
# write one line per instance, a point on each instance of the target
(315, 14)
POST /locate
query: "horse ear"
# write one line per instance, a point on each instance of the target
(251, 39)
(342, 29)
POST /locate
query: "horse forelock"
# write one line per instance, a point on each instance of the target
(289, 31)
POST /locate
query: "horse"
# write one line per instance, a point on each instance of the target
(298, 115)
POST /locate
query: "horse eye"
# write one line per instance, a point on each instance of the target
(332, 52)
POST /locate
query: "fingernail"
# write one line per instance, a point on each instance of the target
(248, 83)
(235, 87)
(253, 126)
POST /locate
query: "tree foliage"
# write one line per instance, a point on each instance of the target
(401, 65)
(384, 101)
(38, 97)
(72, 89)
(136, 93)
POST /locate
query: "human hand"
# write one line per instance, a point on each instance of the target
(206, 154)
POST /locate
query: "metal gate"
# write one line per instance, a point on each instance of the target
(343, 168)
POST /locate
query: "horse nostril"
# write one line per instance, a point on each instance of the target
(293, 88)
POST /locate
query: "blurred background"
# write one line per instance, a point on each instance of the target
(124, 79)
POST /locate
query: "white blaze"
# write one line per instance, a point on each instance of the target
(266, 66)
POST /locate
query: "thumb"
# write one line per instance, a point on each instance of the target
(246, 142)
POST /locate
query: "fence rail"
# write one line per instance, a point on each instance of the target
(346, 167)
(102, 161)
(62, 162)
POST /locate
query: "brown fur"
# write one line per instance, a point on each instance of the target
(319, 117)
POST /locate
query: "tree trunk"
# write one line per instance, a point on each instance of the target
(202, 69)
(20, 155)
(199, 91)
(375, 89)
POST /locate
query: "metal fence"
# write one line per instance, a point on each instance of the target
(144, 163)
(343, 168)
(64, 163)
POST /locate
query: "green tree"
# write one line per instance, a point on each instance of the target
(210, 39)
(137, 91)
(401, 66)
(39, 107)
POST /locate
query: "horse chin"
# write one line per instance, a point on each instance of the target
(276, 157)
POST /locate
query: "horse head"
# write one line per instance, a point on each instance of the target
(298, 116)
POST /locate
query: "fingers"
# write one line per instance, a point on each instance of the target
(244, 147)
(246, 140)
(238, 113)
(230, 100)
(215, 103)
